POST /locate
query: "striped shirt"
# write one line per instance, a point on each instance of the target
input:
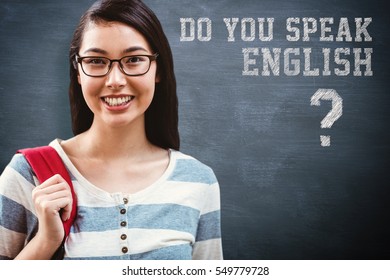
(177, 217)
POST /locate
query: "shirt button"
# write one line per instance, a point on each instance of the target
(123, 223)
(123, 236)
(125, 250)
(125, 200)
(123, 211)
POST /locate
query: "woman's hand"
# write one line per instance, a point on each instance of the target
(53, 204)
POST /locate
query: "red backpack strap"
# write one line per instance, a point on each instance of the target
(45, 163)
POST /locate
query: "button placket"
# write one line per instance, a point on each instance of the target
(123, 224)
(123, 211)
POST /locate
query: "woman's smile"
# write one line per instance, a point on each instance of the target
(117, 103)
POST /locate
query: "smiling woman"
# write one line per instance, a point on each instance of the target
(134, 189)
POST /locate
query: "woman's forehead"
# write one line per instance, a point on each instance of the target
(113, 36)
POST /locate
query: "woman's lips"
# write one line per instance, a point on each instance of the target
(117, 101)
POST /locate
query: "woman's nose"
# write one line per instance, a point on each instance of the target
(115, 78)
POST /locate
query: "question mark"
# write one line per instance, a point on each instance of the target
(333, 115)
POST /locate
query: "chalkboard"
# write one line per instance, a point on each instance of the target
(256, 80)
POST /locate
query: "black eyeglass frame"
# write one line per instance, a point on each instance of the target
(79, 59)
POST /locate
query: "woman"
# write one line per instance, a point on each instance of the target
(137, 196)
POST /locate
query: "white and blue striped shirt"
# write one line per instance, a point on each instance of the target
(177, 217)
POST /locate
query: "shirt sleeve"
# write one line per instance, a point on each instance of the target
(208, 243)
(18, 222)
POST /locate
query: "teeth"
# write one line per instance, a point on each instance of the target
(118, 101)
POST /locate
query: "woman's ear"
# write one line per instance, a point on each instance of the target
(76, 67)
(157, 80)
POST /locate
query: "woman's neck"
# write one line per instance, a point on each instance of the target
(114, 143)
(111, 158)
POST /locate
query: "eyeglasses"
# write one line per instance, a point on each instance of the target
(133, 65)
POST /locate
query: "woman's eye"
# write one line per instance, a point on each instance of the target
(96, 61)
(135, 59)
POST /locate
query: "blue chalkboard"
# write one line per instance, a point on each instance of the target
(248, 110)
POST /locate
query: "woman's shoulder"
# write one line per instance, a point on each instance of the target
(190, 169)
(19, 166)
(16, 182)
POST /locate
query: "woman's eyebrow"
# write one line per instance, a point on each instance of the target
(133, 49)
(126, 51)
(95, 50)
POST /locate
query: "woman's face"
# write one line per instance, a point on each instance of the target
(117, 100)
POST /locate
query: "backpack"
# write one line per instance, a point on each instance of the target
(45, 163)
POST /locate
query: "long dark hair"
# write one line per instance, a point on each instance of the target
(161, 118)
